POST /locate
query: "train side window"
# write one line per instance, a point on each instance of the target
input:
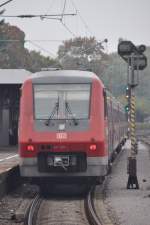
(105, 103)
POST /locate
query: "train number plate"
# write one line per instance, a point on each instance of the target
(61, 135)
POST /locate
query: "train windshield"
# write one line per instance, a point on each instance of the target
(61, 101)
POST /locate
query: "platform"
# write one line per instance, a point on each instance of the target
(9, 169)
(130, 206)
(8, 158)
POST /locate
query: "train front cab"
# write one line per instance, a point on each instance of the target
(41, 145)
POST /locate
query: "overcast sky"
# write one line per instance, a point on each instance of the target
(109, 19)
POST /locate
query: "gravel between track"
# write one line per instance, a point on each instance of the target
(10, 203)
(131, 207)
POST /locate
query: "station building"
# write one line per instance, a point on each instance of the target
(10, 84)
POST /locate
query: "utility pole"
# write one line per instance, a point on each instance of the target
(136, 61)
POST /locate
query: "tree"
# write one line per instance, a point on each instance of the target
(83, 53)
(14, 55)
(39, 61)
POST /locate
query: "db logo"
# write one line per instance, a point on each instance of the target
(61, 135)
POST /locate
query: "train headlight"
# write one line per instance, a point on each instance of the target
(93, 147)
(30, 148)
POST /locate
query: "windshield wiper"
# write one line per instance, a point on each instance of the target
(68, 108)
(55, 109)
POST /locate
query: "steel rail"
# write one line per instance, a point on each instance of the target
(90, 209)
(29, 220)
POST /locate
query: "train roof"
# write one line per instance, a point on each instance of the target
(62, 76)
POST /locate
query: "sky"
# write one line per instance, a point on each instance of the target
(111, 19)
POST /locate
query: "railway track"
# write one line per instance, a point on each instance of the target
(62, 211)
(90, 209)
(69, 211)
(33, 208)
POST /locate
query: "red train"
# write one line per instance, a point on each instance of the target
(69, 126)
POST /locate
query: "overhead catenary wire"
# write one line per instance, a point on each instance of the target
(63, 22)
(82, 19)
(50, 6)
(59, 17)
(5, 3)
(63, 11)
(43, 49)
(33, 43)
(41, 40)
(98, 43)
(28, 40)
(45, 40)
(68, 29)
(41, 16)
